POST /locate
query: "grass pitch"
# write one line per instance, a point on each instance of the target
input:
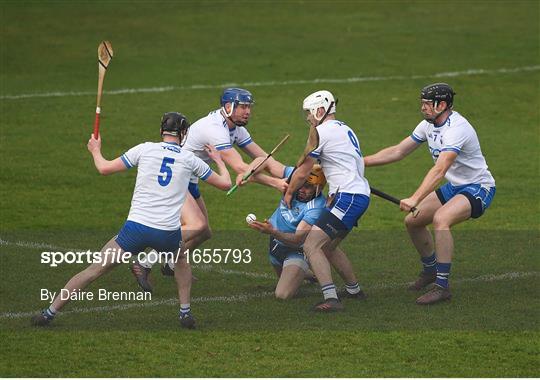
(374, 56)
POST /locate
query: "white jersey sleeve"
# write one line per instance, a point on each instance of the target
(243, 137)
(218, 137)
(132, 156)
(200, 168)
(420, 132)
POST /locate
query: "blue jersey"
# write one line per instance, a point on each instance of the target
(287, 220)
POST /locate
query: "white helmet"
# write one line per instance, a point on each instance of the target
(319, 99)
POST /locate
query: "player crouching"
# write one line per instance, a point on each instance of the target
(288, 229)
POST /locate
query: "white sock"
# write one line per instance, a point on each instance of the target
(185, 308)
(329, 291)
(353, 289)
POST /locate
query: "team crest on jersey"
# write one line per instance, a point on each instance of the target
(172, 148)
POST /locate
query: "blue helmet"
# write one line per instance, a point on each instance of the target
(236, 96)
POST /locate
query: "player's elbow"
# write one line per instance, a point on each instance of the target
(399, 155)
(104, 171)
(438, 172)
(240, 167)
(225, 184)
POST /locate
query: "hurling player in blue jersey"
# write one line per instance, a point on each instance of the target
(288, 229)
(455, 149)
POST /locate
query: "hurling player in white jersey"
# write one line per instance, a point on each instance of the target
(223, 128)
(338, 152)
(455, 149)
(164, 171)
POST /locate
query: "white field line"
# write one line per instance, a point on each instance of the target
(233, 298)
(38, 245)
(125, 306)
(249, 296)
(213, 268)
(449, 74)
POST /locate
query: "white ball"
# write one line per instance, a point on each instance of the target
(251, 218)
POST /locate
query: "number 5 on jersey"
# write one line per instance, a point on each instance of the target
(166, 170)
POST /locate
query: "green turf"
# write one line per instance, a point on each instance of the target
(51, 193)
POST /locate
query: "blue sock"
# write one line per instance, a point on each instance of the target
(429, 263)
(329, 291)
(353, 288)
(184, 308)
(443, 271)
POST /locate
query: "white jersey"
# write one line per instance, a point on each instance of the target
(341, 158)
(162, 181)
(213, 130)
(457, 135)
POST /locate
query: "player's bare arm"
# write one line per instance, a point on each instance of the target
(233, 159)
(391, 154)
(222, 180)
(298, 179)
(431, 180)
(261, 163)
(275, 168)
(258, 163)
(104, 167)
(291, 239)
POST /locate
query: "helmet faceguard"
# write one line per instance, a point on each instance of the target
(437, 93)
(175, 124)
(235, 96)
(320, 99)
(316, 179)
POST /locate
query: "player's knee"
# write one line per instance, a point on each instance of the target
(312, 245)
(206, 233)
(283, 294)
(440, 222)
(411, 222)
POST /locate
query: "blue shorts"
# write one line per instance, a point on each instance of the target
(135, 238)
(194, 190)
(479, 197)
(343, 214)
(282, 256)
